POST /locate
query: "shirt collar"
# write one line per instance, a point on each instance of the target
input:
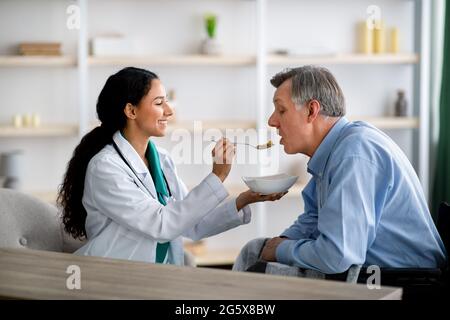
(318, 161)
(130, 154)
(133, 158)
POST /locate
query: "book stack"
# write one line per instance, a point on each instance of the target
(40, 48)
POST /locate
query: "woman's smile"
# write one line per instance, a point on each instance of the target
(163, 122)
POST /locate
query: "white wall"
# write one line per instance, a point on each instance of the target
(161, 27)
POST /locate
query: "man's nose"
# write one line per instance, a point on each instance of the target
(272, 122)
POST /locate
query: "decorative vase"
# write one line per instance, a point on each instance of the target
(11, 169)
(401, 105)
(211, 46)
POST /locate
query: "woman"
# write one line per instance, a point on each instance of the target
(124, 195)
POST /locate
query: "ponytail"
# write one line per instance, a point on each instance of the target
(71, 190)
(129, 85)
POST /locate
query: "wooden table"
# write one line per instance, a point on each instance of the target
(32, 274)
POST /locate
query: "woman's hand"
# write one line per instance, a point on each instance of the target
(223, 154)
(249, 196)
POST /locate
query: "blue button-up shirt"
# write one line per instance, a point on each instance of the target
(363, 205)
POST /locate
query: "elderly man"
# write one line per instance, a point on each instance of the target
(363, 205)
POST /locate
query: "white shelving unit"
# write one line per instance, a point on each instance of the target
(205, 125)
(344, 59)
(37, 61)
(198, 127)
(389, 122)
(201, 60)
(46, 130)
(260, 60)
(173, 60)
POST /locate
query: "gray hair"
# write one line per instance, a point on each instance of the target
(314, 83)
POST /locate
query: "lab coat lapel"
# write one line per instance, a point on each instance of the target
(169, 173)
(136, 162)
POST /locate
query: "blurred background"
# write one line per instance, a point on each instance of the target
(215, 59)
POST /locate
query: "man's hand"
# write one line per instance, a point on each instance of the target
(268, 252)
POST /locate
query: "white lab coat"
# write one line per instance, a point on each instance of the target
(125, 220)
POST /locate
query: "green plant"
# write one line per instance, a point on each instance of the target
(210, 24)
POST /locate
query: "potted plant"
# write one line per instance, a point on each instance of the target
(210, 44)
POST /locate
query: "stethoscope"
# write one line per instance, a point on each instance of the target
(135, 173)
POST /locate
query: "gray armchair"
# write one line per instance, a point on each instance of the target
(27, 222)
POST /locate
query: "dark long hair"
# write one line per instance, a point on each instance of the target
(129, 85)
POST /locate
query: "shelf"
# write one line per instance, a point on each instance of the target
(37, 61)
(174, 60)
(389, 122)
(41, 131)
(203, 60)
(243, 60)
(72, 130)
(194, 126)
(216, 257)
(344, 59)
(197, 126)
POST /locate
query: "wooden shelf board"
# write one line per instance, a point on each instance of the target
(219, 60)
(192, 126)
(389, 122)
(41, 131)
(379, 122)
(211, 124)
(344, 59)
(214, 257)
(37, 61)
(174, 60)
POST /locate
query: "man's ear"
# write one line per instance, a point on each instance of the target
(130, 111)
(313, 109)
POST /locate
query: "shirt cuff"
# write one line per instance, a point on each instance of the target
(216, 186)
(244, 215)
(284, 252)
(290, 234)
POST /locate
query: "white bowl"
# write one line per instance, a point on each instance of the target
(270, 184)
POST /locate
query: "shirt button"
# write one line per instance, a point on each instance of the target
(23, 241)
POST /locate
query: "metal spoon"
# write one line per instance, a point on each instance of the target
(266, 145)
